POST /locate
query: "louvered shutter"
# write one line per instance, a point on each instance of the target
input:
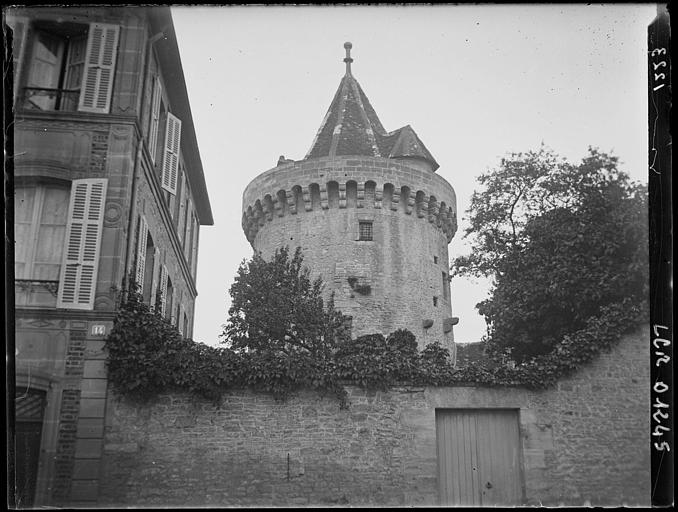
(163, 289)
(155, 118)
(170, 163)
(83, 243)
(97, 79)
(141, 253)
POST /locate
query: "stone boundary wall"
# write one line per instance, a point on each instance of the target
(584, 441)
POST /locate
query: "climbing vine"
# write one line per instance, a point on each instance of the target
(147, 356)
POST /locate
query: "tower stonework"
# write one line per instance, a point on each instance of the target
(372, 217)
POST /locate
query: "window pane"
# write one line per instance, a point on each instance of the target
(39, 246)
(22, 235)
(365, 229)
(49, 253)
(23, 204)
(45, 69)
(55, 206)
(24, 200)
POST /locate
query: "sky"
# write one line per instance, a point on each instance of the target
(475, 82)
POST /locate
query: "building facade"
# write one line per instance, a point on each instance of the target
(108, 184)
(371, 216)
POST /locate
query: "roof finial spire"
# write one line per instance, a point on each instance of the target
(348, 58)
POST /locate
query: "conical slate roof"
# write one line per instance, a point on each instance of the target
(352, 127)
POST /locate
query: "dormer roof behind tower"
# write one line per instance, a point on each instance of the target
(352, 127)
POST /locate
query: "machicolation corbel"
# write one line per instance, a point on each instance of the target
(449, 322)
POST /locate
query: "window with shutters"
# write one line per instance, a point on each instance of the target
(70, 66)
(57, 242)
(164, 138)
(170, 159)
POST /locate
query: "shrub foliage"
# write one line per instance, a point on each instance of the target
(561, 242)
(147, 355)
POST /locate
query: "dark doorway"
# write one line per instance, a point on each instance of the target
(29, 412)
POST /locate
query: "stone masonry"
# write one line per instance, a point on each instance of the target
(319, 204)
(584, 441)
(371, 216)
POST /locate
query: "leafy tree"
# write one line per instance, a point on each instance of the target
(277, 309)
(560, 240)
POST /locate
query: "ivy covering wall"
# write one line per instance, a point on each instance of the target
(147, 356)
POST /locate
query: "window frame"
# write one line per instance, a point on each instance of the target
(97, 66)
(365, 235)
(35, 225)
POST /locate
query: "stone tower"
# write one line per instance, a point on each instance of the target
(371, 215)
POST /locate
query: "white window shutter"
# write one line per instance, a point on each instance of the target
(155, 118)
(97, 79)
(83, 243)
(170, 163)
(141, 253)
(163, 289)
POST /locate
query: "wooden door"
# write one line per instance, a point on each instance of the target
(478, 457)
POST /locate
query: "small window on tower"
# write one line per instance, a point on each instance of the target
(435, 302)
(365, 230)
(435, 259)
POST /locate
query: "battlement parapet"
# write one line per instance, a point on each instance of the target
(348, 182)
